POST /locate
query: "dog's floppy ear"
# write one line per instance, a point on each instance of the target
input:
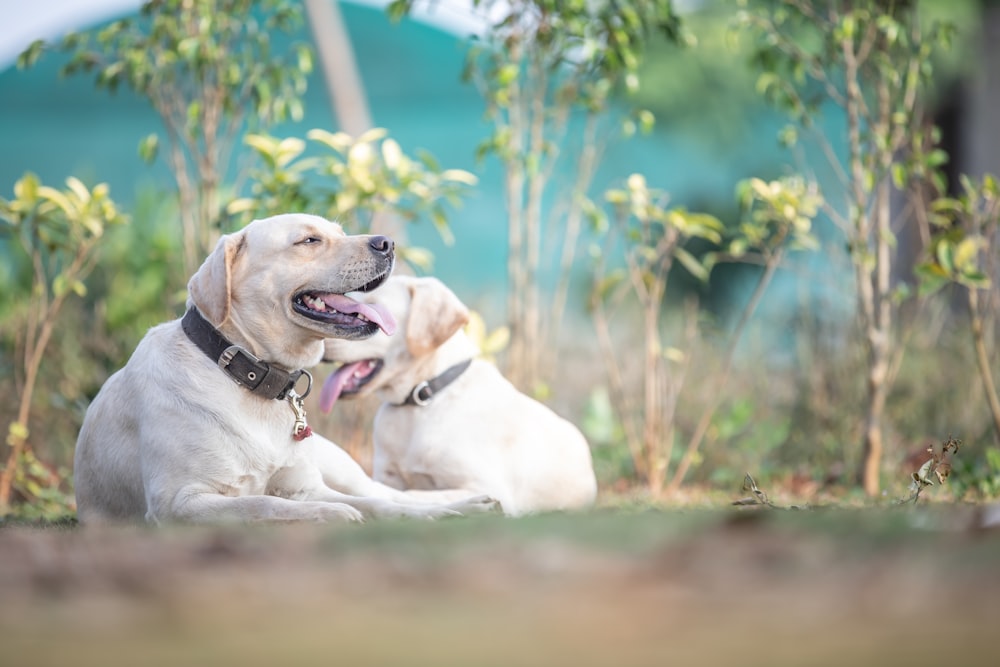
(435, 315)
(210, 288)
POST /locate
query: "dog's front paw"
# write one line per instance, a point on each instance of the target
(476, 505)
(342, 512)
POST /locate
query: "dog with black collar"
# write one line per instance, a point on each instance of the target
(206, 423)
(450, 419)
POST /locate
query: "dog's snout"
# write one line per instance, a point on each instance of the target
(381, 245)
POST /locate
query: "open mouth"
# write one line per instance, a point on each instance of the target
(352, 317)
(348, 380)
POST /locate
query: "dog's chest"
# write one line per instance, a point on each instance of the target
(264, 439)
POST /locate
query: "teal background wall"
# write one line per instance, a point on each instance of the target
(411, 71)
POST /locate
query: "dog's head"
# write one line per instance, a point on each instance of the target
(429, 314)
(282, 285)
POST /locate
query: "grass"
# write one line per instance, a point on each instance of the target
(619, 585)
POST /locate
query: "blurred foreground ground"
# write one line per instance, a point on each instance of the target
(612, 587)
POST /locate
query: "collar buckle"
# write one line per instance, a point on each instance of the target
(227, 356)
(421, 394)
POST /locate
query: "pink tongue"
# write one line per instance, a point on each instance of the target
(373, 312)
(334, 385)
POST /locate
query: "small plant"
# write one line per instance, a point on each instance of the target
(756, 497)
(938, 466)
(777, 217)
(42, 492)
(350, 180)
(980, 480)
(208, 69)
(59, 232)
(964, 253)
(652, 237)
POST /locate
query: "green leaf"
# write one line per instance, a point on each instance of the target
(608, 283)
(674, 354)
(60, 285)
(58, 199)
(738, 247)
(848, 26)
(26, 189)
(788, 136)
(507, 74)
(287, 150)
(766, 81)
(421, 258)
(946, 205)
(974, 278)
(149, 146)
(398, 9)
(79, 189)
(372, 135)
(496, 341)
(694, 267)
(931, 278)
(338, 141)
(30, 55)
(266, 146)
(944, 252)
(305, 59)
(238, 206)
(990, 189)
(936, 157)
(966, 252)
(16, 432)
(646, 121)
(616, 197)
(899, 176)
(459, 176)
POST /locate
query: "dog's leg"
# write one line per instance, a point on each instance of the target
(422, 489)
(345, 478)
(210, 507)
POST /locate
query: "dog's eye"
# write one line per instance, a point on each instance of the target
(309, 240)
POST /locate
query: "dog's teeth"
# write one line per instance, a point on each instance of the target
(314, 303)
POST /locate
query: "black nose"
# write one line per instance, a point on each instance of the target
(382, 245)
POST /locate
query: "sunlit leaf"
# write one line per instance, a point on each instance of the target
(944, 252)
(339, 141)
(460, 176)
(16, 432)
(372, 135)
(694, 267)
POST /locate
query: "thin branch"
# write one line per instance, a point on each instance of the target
(723, 377)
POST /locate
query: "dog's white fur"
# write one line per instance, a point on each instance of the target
(479, 433)
(171, 437)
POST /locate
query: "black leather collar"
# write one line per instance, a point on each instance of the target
(259, 377)
(425, 391)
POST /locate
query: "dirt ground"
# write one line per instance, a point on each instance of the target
(611, 587)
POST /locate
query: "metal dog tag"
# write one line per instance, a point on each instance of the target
(300, 430)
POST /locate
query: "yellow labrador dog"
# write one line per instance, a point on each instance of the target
(450, 420)
(205, 421)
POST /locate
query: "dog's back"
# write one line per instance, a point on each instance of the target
(107, 463)
(487, 437)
